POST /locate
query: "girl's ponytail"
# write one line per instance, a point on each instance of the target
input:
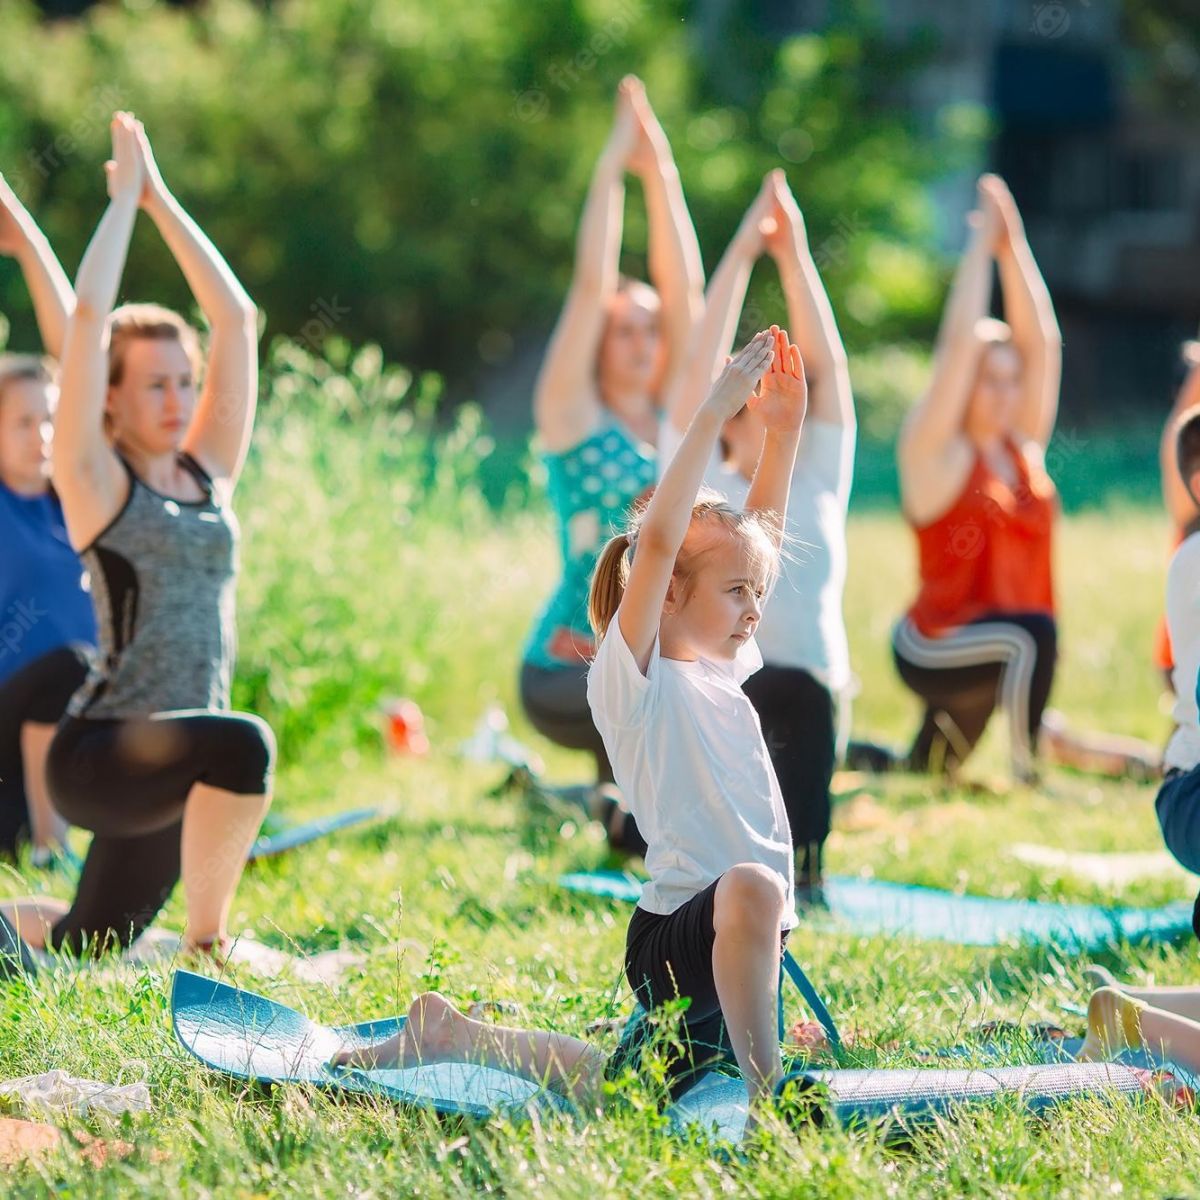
(608, 583)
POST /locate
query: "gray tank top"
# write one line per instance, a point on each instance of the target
(163, 576)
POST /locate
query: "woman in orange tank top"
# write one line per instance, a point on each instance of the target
(982, 631)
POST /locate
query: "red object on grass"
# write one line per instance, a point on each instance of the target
(404, 727)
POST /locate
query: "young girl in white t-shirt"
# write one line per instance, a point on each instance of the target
(675, 603)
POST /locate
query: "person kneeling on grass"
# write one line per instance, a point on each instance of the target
(1178, 802)
(675, 602)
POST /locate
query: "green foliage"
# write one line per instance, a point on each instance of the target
(412, 175)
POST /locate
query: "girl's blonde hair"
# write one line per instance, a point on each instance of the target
(712, 517)
(152, 322)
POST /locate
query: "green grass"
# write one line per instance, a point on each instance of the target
(358, 584)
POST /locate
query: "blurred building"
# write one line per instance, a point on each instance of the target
(1104, 163)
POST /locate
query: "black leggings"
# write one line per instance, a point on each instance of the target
(799, 726)
(38, 693)
(1004, 659)
(555, 701)
(128, 781)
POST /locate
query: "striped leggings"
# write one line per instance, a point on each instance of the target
(1004, 659)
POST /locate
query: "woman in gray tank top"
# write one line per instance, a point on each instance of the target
(149, 757)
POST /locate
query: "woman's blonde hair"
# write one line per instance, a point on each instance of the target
(712, 517)
(17, 367)
(152, 322)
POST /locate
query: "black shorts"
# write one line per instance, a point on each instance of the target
(128, 781)
(668, 957)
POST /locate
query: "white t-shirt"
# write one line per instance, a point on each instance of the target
(688, 754)
(1183, 621)
(802, 624)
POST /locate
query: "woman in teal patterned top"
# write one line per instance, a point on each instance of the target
(613, 354)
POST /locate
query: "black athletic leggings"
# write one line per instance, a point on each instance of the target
(38, 693)
(555, 701)
(1004, 659)
(797, 715)
(128, 781)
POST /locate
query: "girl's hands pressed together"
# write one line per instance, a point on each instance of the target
(741, 376)
(650, 146)
(782, 396)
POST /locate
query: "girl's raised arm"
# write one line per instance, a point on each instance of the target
(669, 512)
(1029, 312)
(780, 403)
(49, 287)
(219, 434)
(810, 315)
(937, 417)
(676, 268)
(713, 336)
(565, 399)
(86, 472)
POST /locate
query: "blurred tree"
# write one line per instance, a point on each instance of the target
(412, 174)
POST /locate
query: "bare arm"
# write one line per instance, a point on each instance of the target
(1178, 500)
(936, 419)
(781, 404)
(1029, 312)
(86, 472)
(810, 315)
(676, 268)
(565, 401)
(49, 287)
(713, 337)
(219, 434)
(669, 513)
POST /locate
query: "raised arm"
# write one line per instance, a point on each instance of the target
(780, 403)
(1181, 508)
(676, 268)
(669, 513)
(86, 472)
(565, 401)
(810, 315)
(1029, 312)
(219, 434)
(49, 287)
(937, 417)
(712, 338)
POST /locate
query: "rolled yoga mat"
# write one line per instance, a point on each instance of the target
(872, 906)
(288, 837)
(248, 1036)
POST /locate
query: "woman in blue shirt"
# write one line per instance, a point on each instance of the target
(46, 620)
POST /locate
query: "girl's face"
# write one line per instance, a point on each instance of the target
(712, 613)
(631, 348)
(151, 407)
(25, 435)
(992, 410)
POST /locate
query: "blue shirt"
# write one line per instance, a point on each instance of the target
(43, 602)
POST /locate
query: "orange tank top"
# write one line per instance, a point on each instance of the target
(990, 552)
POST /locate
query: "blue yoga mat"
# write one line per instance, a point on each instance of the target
(291, 836)
(913, 1094)
(872, 906)
(248, 1036)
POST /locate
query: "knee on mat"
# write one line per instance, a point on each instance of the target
(749, 895)
(247, 757)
